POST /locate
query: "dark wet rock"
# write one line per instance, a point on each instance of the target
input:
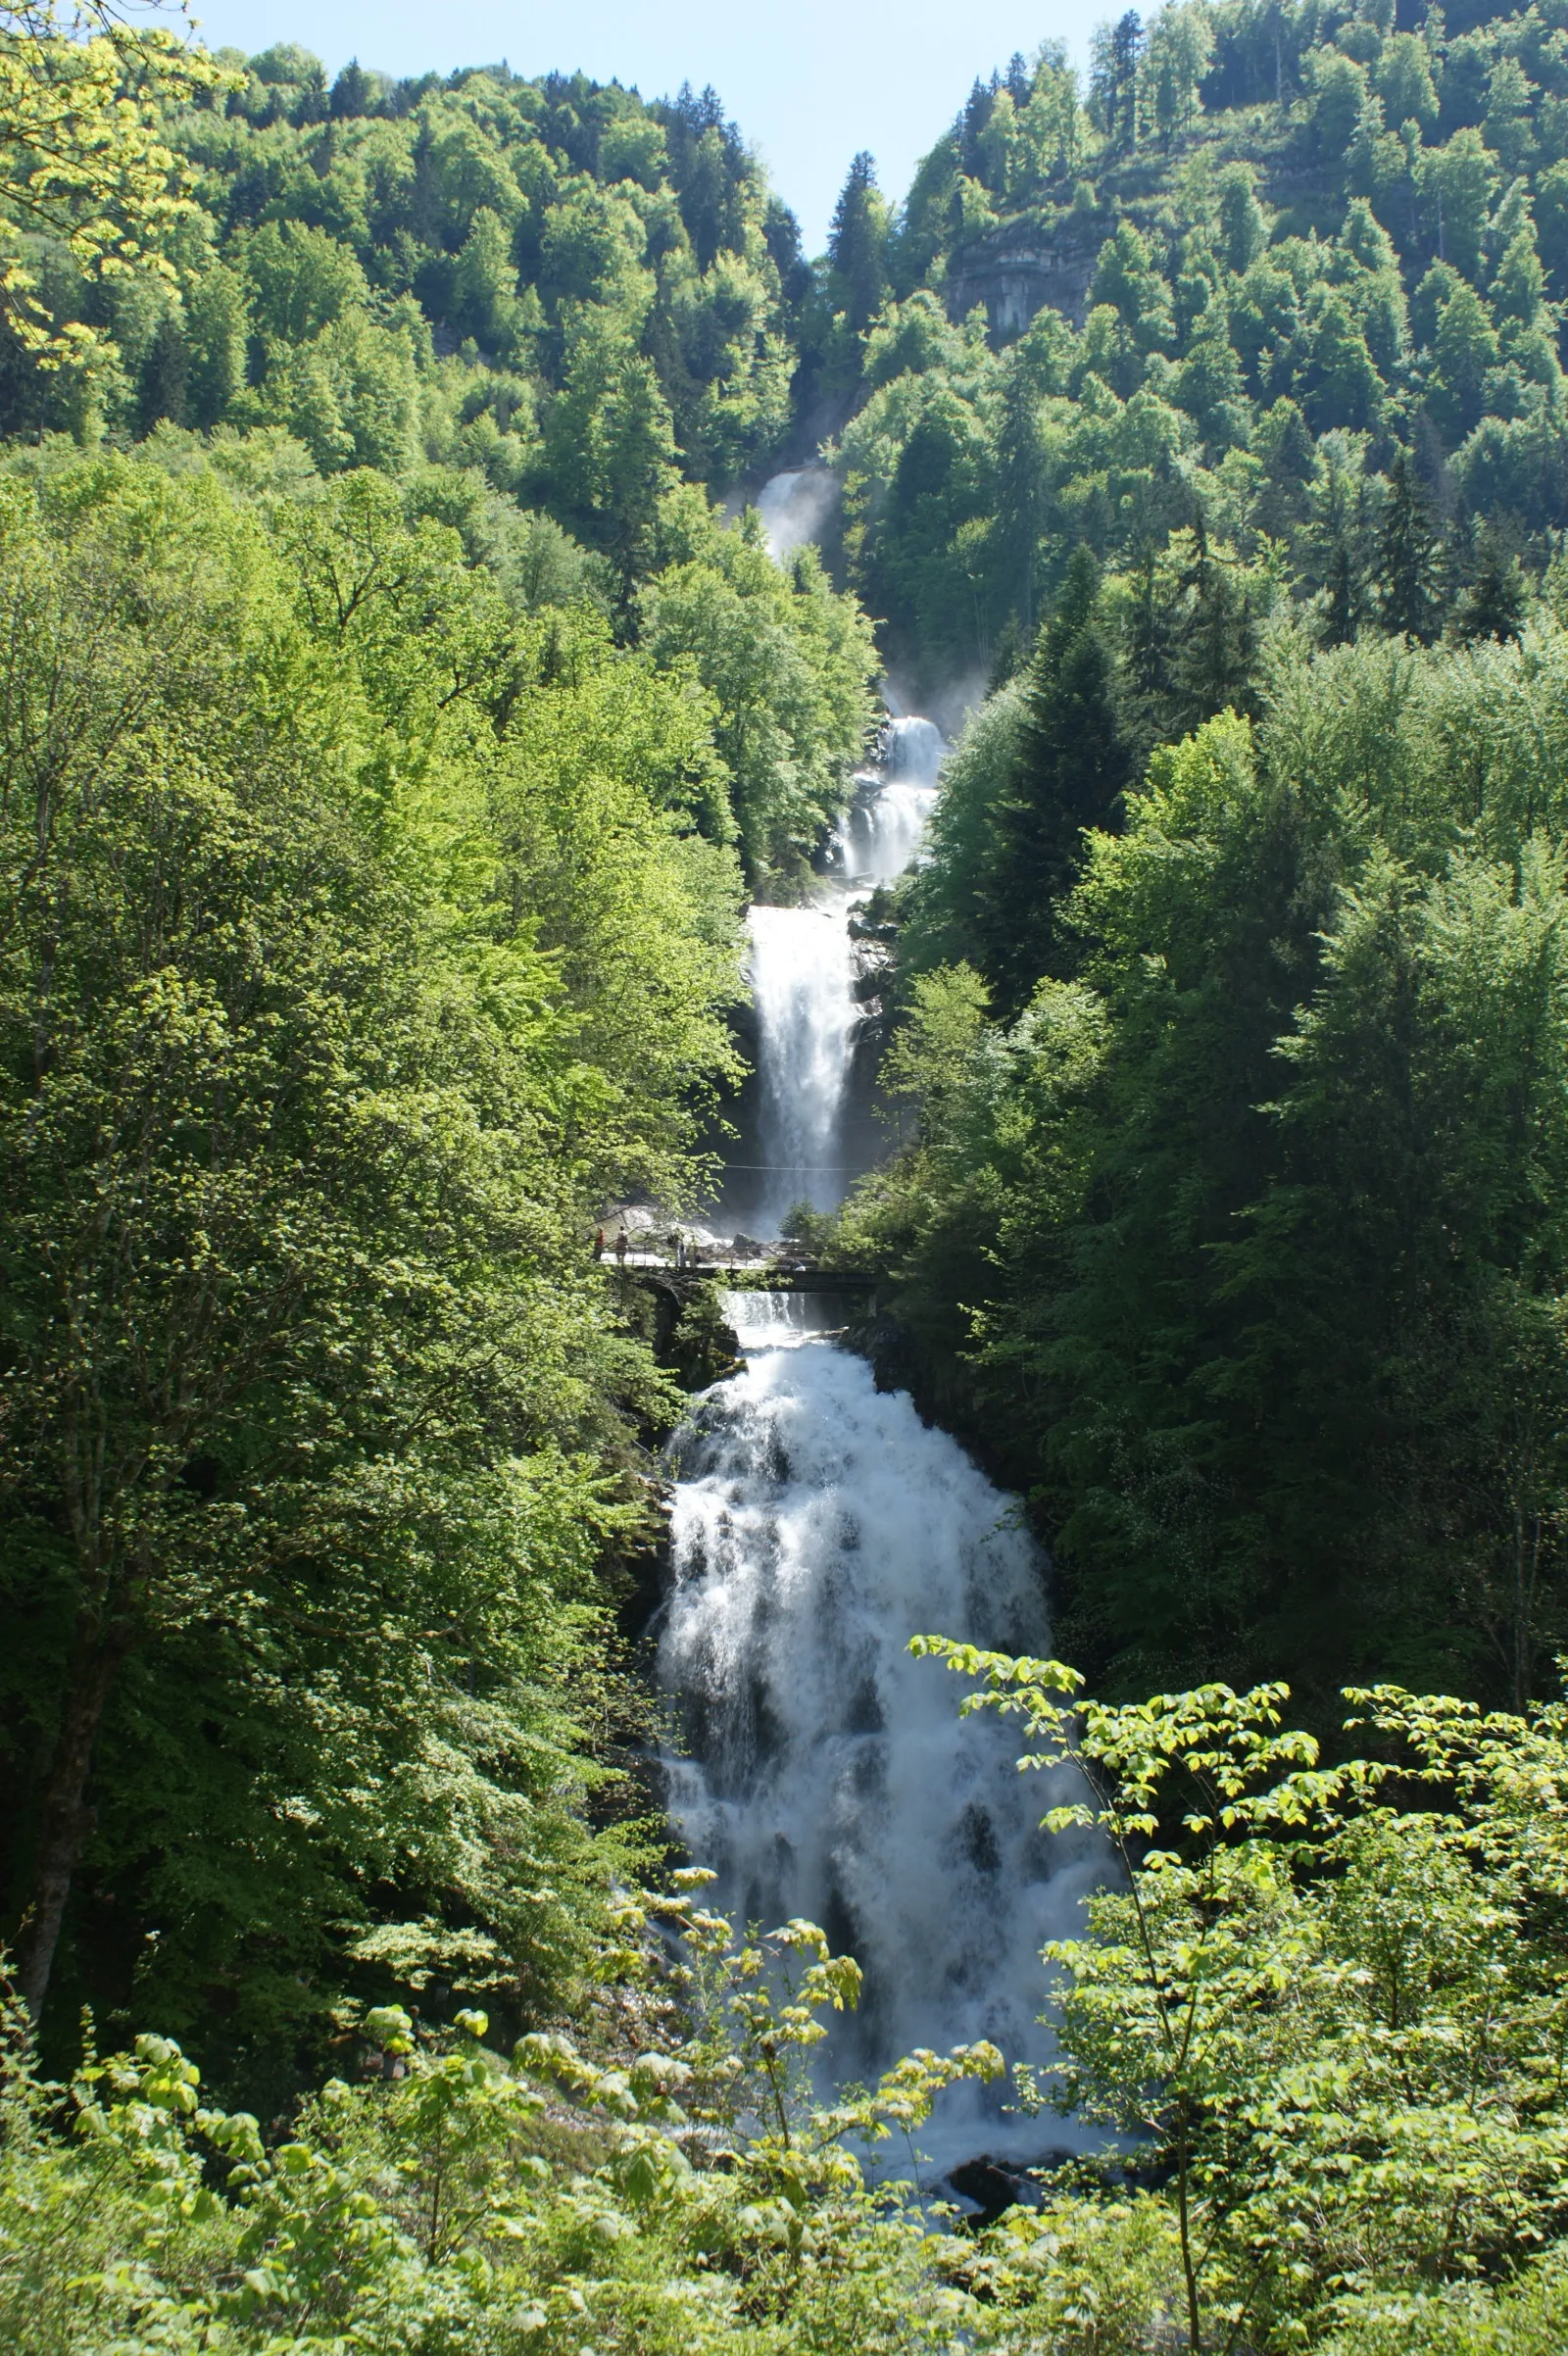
(691, 1335)
(991, 2187)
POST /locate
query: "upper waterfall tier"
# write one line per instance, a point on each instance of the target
(889, 816)
(804, 976)
(802, 982)
(793, 506)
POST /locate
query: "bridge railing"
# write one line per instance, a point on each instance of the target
(760, 1276)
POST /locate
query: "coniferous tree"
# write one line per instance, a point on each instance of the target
(313, 105)
(781, 234)
(1126, 55)
(1216, 649)
(215, 334)
(1341, 594)
(1021, 490)
(1342, 561)
(856, 245)
(1147, 657)
(1189, 641)
(1290, 463)
(1071, 768)
(351, 92)
(976, 115)
(1494, 605)
(1407, 556)
(165, 375)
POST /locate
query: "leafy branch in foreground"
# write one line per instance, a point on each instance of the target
(456, 2198)
(1328, 2002)
(84, 153)
(1325, 2017)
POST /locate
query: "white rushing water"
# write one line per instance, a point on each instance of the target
(803, 974)
(803, 984)
(889, 816)
(817, 1526)
(793, 506)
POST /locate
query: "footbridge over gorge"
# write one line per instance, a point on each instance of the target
(751, 1275)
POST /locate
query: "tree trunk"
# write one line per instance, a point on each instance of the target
(66, 1820)
(1195, 2326)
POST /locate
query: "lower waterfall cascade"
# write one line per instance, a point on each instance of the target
(817, 1525)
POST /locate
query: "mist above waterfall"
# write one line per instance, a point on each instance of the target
(793, 507)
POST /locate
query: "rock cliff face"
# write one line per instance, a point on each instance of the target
(1020, 268)
(1034, 261)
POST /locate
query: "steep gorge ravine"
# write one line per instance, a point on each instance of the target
(817, 1525)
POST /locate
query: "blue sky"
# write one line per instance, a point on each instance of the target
(809, 82)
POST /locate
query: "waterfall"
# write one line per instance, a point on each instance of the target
(803, 975)
(895, 800)
(803, 983)
(817, 1525)
(793, 506)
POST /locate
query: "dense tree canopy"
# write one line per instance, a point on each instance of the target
(384, 744)
(332, 1003)
(1247, 1222)
(549, 281)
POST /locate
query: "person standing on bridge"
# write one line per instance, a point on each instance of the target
(620, 1247)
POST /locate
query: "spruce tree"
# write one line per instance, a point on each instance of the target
(1290, 467)
(1127, 44)
(165, 375)
(1218, 646)
(1341, 595)
(856, 245)
(976, 115)
(1407, 556)
(1494, 605)
(1340, 539)
(1070, 770)
(1020, 489)
(351, 93)
(1148, 657)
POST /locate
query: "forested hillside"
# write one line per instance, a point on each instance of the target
(543, 309)
(1274, 260)
(399, 703)
(549, 281)
(1232, 1231)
